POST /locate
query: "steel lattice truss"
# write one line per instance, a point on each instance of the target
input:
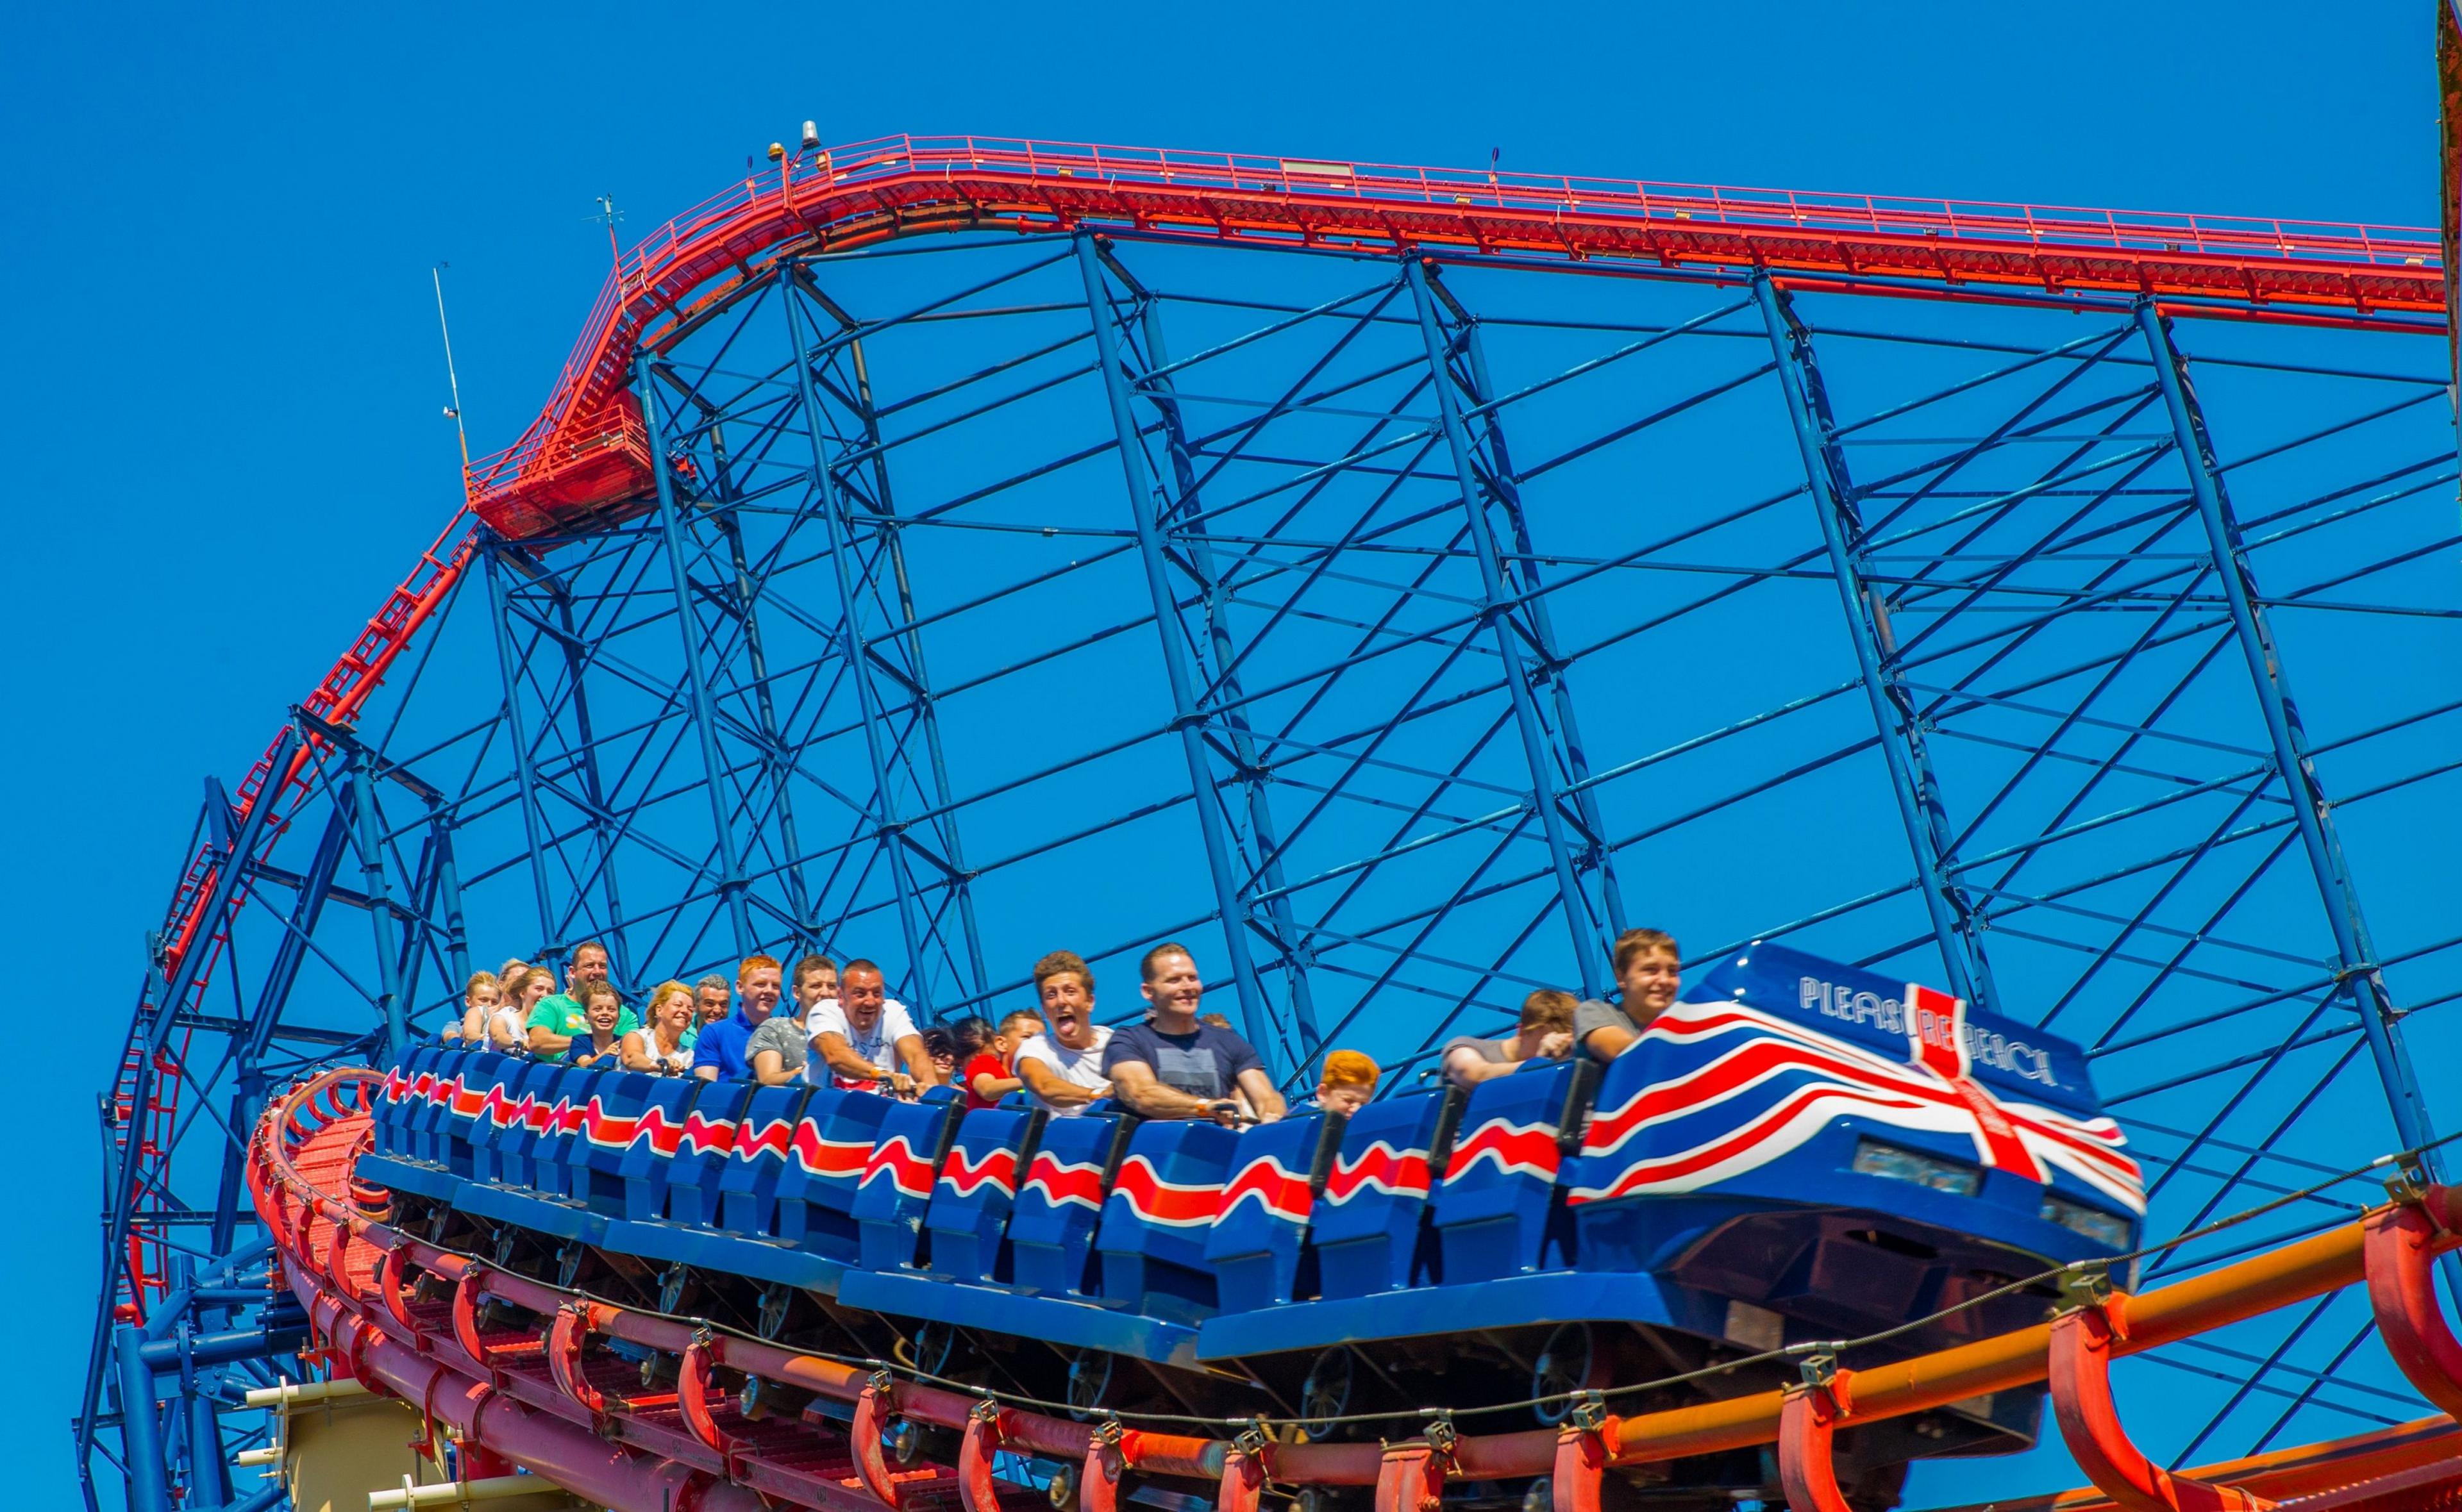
(1398, 631)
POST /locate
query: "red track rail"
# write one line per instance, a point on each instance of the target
(546, 1399)
(586, 454)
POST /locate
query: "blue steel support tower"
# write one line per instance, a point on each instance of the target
(1911, 780)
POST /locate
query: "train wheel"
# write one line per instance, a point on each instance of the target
(774, 1302)
(672, 1282)
(1092, 1376)
(1540, 1496)
(1570, 1362)
(906, 1445)
(1326, 1394)
(940, 1351)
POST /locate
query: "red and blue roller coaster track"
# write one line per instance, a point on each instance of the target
(585, 459)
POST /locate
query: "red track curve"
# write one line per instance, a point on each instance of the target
(536, 1396)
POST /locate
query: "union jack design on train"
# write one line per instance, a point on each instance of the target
(1748, 1086)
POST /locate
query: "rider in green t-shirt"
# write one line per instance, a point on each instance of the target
(559, 1020)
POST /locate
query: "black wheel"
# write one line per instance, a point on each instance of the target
(1063, 1489)
(938, 1350)
(774, 1302)
(671, 1288)
(905, 1445)
(1091, 1374)
(1540, 1496)
(1570, 1361)
(1326, 1394)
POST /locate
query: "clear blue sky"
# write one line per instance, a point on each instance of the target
(223, 377)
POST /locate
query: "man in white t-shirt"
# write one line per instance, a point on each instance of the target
(854, 1033)
(1063, 1069)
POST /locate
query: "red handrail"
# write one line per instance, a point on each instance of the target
(586, 453)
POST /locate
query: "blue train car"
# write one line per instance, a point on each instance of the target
(1799, 1153)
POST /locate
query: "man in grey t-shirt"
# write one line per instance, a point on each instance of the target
(776, 1052)
(1543, 1036)
(1649, 969)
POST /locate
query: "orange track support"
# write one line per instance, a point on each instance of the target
(1411, 1479)
(1807, 1423)
(1098, 1482)
(2402, 1290)
(976, 1486)
(1581, 1461)
(693, 1399)
(1243, 1486)
(872, 1411)
(2080, 1361)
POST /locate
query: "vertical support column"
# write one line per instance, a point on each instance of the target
(208, 1485)
(2379, 1021)
(927, 715)
(208, 1470)
(765, 708)
(525, 766)
(960, 879)
(140, 1427)
(1297, 956)
(730, 879)
(448, 894)
(379, 894)
(887, 829)
(1256, 1016)
(148, 1036)
(594, 789)
(1954, 922)
(1543, 629)
(1537, 756)
(249, 1047)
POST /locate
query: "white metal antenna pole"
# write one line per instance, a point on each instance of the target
(436, 275)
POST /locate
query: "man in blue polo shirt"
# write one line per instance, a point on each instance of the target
(719, 1056)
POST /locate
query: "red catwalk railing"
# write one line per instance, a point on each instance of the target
(587, 452)
(408, 1317)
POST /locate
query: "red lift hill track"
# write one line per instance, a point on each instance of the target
(517, 1369)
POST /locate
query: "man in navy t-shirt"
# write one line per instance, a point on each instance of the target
(1171, 1066)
